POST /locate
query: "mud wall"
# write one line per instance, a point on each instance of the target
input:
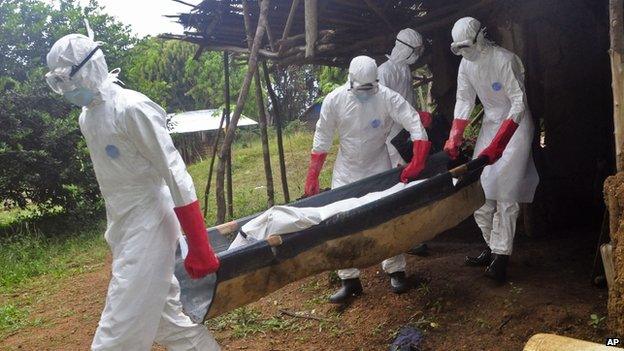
(614, 196)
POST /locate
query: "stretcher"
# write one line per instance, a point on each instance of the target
(359, 237)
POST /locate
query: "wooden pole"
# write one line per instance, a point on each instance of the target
(240, 103)
(278, 127)
(289, 22)
(215, 146)
(266, 155)
(226, 112)
(616, 15)
(311, 26)
(262, 118)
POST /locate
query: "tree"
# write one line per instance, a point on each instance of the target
(166, 72)
(296, 88)
(330, 78)
(44, 159)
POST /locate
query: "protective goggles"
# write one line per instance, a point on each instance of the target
(368, 88)
(415, 49)
(456, 47)
(60, 79)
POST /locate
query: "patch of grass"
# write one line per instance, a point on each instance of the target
(13, 318)
(423, 289)
(248, 176)
(596, 321)
(246, 321)
(316, 301)
(26, 256)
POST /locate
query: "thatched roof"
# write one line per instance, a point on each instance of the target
(343, 27)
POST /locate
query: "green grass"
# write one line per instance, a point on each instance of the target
(32, 245)
(13, 318)
(246, 321)
(37, 249)
(27, 256)
(248, 176)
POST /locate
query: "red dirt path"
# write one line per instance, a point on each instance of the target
(458, 308)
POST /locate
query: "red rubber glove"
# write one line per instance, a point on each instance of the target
(413, 169)
(456, 137)
(425, 118)
(201, 260)
(494, 151)
(314, 169)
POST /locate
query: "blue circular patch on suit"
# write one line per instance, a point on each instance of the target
(112, 151)
(375, 123)
(496, 86)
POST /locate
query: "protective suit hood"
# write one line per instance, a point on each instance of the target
(362, 70)
(469, 39)
(70, 51)
(407, 48)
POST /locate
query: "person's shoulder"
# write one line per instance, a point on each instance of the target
(387, 92)
(336, 93)
(503, 55)
(385, 66)
(130, 101)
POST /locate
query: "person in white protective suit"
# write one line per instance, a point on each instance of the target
(361, 112)
(496, 76)
(145, 185)
(396, 74)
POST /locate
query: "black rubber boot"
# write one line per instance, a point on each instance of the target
(497, 270)
(398, 282)
(350, 288)
(483, 260)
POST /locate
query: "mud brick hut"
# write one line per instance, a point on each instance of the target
(566, 47)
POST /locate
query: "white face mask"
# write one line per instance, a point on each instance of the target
(80, 96)
(412, 58)
(470, 53)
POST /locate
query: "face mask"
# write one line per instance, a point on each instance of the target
(79, 96)
(414, 52)
(470, 53)
(412, 58)
(363, 97)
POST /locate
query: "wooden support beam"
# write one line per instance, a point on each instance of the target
(278, 126)
(238, 50)
(289, 21)
(616, 52)
(266, 155)
(185, 3)
(226, 113)
(311, 26)
(262, 118)
(240, 103)
(379, 13)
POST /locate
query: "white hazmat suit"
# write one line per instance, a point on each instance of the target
(363, 123)
(396, 74)
(142, 178)
(496, 76)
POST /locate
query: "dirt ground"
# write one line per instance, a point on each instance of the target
(455, 306)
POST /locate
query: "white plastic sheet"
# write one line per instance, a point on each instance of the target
(288, 219)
